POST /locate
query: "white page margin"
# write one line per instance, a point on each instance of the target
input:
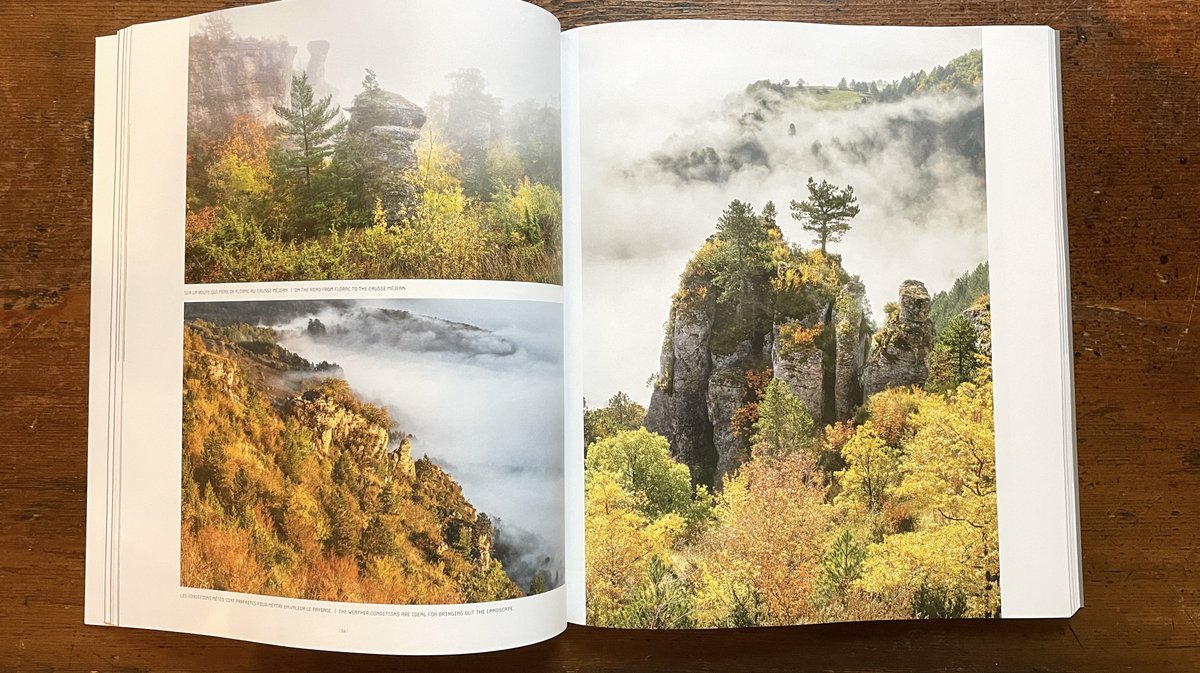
(573, 322)
(1031, 333)
(103, 183)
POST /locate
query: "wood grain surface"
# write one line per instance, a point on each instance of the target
(1132, 114)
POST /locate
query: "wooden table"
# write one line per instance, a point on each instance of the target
(1132, 110)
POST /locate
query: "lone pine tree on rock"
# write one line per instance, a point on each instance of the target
(826, 212)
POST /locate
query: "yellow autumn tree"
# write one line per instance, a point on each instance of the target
(760, 563)
(443, 238)
(948, 565)
(889, 412)
(870, 478)
(622, 542)
(241, 170)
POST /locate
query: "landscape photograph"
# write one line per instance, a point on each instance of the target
(373, 451)
(313, 155)
(787, 333)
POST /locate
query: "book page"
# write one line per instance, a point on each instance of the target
(787, 249)
(333, 416)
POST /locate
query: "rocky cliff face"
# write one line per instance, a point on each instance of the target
(798, 317)
(819, 354)
(979, 314)
(679, 404)
(332, 422)
(797, 358)
(727, 390)
(236, 357)
(388, 126)
(901, 347)
(231, 76)
(853, 338)
(220, 373)
(345, 498)
(806, 323)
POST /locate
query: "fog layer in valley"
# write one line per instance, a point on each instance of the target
(478, 386)
(664, 154)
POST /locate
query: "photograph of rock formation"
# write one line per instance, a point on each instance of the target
(312, 158)
(399, 452)
(790, 420)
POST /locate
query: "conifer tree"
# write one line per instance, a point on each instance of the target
(953, 360)
(826, 212)
(311, 126)
(662, 602)
(784, 424)
(743, 261)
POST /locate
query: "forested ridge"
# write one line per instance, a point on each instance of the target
(283, 184)
(962, 73)
(940, 109)
(293, 486)
(966, 289)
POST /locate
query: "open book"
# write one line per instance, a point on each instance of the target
(425, 327)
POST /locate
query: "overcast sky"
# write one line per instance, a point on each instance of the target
(413, 45)
(650, 88)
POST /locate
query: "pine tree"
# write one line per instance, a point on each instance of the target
(311, 125)
(662, 602)
(743, 261)
(953, 360)
(376, 540)
(784, 424)
(841, 565)
(826, 212)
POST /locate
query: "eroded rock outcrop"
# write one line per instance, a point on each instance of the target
(726, 393)
(798, 359)
(318, 51)
(853, 339)
(231, 76)
(679, 404)
(900, 352)
(331, 421)
(979, 314)
(402, 456)
(381, 109)
(387, 126)
(220, 373)
(715, 351)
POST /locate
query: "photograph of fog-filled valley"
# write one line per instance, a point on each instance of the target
(787, 332)
(421, 142)
(398, 452)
